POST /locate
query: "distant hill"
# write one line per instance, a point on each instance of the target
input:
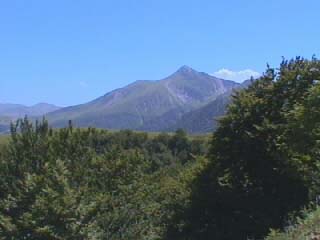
(10, 112)
(147, 105)
(18, 110)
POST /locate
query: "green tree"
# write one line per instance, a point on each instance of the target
(253, 182)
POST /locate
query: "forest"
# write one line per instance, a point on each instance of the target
(256, 177)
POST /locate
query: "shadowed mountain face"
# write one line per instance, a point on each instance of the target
(147, 105)
(205, 119)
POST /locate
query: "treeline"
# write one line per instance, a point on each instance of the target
(91, 184)
(260, 168)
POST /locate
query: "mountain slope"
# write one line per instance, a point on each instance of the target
(204, 119)
(146, 105)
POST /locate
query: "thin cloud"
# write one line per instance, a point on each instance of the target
(238, 76)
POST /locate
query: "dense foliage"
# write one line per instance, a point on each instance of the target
(91, 184)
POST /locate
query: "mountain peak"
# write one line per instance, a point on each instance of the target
(186, 69)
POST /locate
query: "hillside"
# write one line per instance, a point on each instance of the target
(147, 105)
(204, 119)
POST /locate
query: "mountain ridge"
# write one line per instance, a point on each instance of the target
(142, 103)
(185, 99)
(19, 110)
(10, 112)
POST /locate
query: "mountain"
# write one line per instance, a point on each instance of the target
(147, 105)
(10, 112)
(17, 110)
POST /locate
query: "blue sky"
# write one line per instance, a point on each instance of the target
(68, 52)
